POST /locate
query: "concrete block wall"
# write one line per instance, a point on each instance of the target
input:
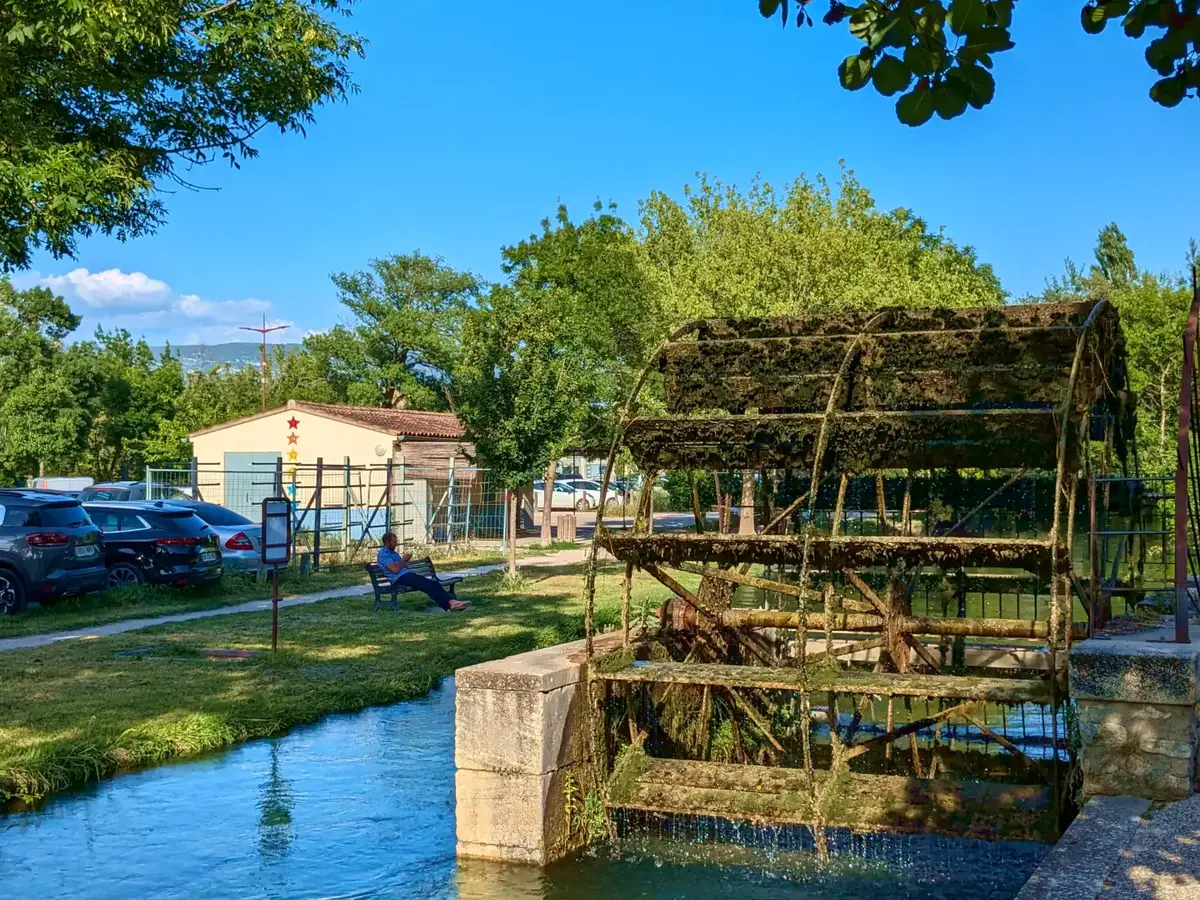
(519, 730)
(1137, 699)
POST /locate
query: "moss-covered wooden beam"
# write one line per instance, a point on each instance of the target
(953, 627)
(888, 352)
(832, 553)
(976, 386)
(1031, 315)
(782, 796)
(846, 681)
(857, 441)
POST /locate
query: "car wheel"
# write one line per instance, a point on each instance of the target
(123, 574)
(582, 505)
(12, 593)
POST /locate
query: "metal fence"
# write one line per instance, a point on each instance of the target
(341, 511)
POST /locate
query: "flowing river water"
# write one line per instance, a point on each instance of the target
(362, 805)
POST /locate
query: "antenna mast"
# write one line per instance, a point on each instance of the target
(264, 331)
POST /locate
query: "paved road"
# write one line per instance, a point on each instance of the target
(567, 557)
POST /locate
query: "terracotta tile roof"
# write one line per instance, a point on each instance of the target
(400, 422)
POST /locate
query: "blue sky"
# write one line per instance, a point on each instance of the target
(475, 120)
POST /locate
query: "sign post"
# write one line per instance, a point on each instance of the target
(276, 550)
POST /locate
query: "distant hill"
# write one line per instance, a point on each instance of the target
(201, 357)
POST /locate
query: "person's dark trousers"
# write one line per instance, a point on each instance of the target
(426, 585)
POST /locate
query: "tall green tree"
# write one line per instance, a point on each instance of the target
(403, 345)
(937, 54)
(1154, 310)
(517, 385)
(100, 101)
(592, 273)
(806, 249)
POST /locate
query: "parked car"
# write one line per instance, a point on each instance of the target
(48, 548)
(131, 490)
(156, 543)
(585, 490)
(239, 536)
(568, 495)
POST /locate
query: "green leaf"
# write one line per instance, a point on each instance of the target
(1135, 21)
(950, 98)
(1169, 91)
(890, 76)
(768, 8)
(977, 83)
(1092, 18)
(916, 107)
(965, 16)
(922, 61)
(854, 72)
(1163, 52)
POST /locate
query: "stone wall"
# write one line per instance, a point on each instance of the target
(1137, 701)
(519, 739)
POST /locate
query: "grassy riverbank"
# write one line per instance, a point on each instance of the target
(145, 601)
(79, 711)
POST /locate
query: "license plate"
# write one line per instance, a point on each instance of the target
(208, 556)
(87, 551)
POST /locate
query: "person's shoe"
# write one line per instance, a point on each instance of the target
(459, 605)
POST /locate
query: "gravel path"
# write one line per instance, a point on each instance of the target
(564, 558)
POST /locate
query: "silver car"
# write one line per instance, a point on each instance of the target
(239, 536)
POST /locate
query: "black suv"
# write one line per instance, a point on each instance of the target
(48, 548)
(156, 543)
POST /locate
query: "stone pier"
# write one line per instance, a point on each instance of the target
(519, 741)
(1137, 698)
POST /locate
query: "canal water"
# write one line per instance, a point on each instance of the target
(362, 806)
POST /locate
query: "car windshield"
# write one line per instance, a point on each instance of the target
(50, 515)
(220, 516)
(182, 521)
(106, 493)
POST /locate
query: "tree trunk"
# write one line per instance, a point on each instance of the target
(746, 521)
(548, 502)
(1162, 402)
(513, 500)
(696, 511)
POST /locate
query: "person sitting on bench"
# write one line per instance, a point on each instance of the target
(395, 568)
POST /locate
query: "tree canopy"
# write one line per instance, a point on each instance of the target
(100, 101)
(937, 55)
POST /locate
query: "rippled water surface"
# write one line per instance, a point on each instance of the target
(363, 806)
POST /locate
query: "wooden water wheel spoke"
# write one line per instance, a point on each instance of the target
(841, 650)
(910, 728)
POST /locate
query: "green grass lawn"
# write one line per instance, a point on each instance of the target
(79, 711)
(145, 601)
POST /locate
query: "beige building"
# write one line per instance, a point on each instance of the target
(434, 484)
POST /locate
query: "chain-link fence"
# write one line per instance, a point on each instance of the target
(341, 511)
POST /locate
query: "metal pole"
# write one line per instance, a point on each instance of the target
(347, 508)
(388, 483)
(450, 505)
(1181, 475)
(195, 478)
(1093, 559)
(279, 476)
(317, 519)
(275, 610)
(149, 484)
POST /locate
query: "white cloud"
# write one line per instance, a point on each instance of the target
(146, 306)
(111, 289)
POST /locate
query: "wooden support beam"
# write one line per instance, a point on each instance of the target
(782, 796)
(841, 681)
(1030, 629)
(845, 650)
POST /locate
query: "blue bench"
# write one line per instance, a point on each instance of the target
(387, 594)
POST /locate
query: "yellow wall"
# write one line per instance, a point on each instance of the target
(316, 436)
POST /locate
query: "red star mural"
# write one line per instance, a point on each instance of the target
(293, 422)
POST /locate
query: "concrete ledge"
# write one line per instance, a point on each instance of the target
(1136, 668)
(529, 732)
(1079, 864)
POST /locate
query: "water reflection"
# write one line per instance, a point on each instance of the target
(363, 806)
(275, 810)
